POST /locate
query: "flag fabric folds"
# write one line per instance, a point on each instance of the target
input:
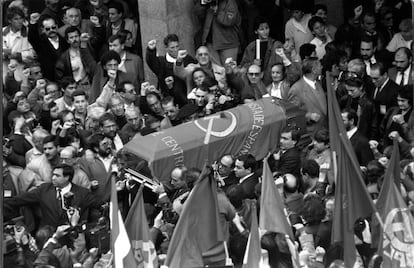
(136, 225)
(397, 239)
(198, 228)
(120, 244)
(253, 249)
(352, 200)
(272, 215)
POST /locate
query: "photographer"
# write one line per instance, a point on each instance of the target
(69, 127)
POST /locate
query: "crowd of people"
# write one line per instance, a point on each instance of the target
(75, 92)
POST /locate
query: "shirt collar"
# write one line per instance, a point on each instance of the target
(311, 83)
(169, 58)
(351, 132)
(245, 178)
(66, 189)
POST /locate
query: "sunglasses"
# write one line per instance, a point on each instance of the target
(51, 28)
(253, 74)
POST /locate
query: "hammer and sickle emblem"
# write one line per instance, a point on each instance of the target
(209, 130)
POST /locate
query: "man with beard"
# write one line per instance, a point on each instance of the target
(48, 46)
(369, 53)
(133, 125)
(50, 149)
(401, 73)
(69, 86)
(72, 62)
(358, 140)
(109, 128)
(100, 166)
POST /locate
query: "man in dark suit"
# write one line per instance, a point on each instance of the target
(163, 67)
(287, 159)
(385, 94)
(358, 140)
(48, 45)
(52, 198)
(225, 172)
(401, 73)
(244, 170)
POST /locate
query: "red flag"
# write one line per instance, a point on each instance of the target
(253, 249)
(352, 200)
(272, 214)
(198, 228)
(137, 228)
(397, 239)
(120, 245)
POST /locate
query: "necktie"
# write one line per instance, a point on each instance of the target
(59, 194)
(402, 79)
(376, 92)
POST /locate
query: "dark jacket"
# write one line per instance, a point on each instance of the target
(46, 53)
(367, 123)
(361, 147)
(222, 26)
(44, 197)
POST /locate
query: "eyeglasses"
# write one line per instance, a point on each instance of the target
(54, 27)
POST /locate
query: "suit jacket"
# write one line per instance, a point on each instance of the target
(392, 73)
(64, 66)
(46, 53)
(310, 100)
(361, 147)
(248, 186)
(387, 98)
(289, 162)
(44, 197)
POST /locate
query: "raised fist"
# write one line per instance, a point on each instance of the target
(152, 44)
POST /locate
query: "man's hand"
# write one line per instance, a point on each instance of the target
(26, 73)
(394, 135)
(41, 83)
(55, 125)
(169, 82)
(158, 220)
(74, 216)
(84, 38)
(67, 125)
(11, 68)
(373, 144)
(314, 117)
(120, 185)
(159, 189)
(152, 44)
(144, 88)
(181, 54)
(358, 11)
(18, 233)
(112, 75)
(61, 231)
(95, 21)
(34, 18)
(398, 118)
(276, 155)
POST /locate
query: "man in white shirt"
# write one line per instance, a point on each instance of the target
(367, 51)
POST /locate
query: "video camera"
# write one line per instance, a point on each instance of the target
(9, 243)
